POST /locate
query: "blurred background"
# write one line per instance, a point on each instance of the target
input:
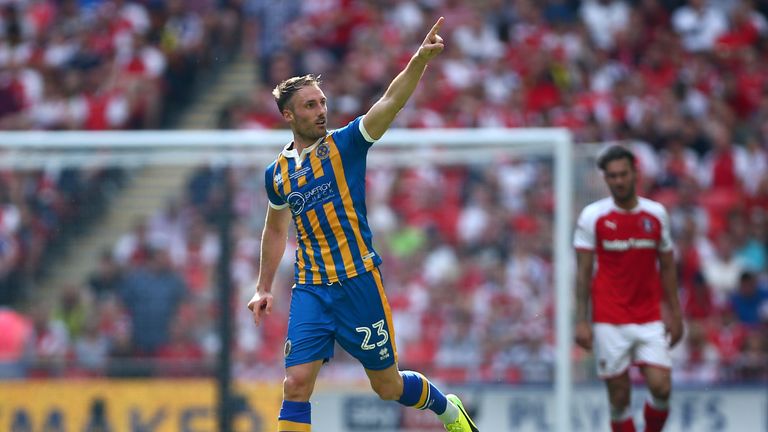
(108, 271)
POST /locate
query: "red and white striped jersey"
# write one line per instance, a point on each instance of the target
(626, 286)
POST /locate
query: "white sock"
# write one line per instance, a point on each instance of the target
(450, 414)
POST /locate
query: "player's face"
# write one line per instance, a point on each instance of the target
(620, 177)
(307, 113)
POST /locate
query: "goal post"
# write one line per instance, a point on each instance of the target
(136, 150)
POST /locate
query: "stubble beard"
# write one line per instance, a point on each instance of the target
(623, 198)
(312, 133)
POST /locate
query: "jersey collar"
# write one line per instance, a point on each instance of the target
(634, 209)
(289, 151)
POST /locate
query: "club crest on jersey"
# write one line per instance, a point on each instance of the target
(278, 179)
(323, 150)
(287, 347)
(647, 225)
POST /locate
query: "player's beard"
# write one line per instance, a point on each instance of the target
(311, 131)
(623, 195)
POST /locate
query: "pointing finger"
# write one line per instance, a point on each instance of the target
(436, 27)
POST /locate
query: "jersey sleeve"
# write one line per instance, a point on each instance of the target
(275, 200)
(665, 243)
(584, 235)
(353, 137)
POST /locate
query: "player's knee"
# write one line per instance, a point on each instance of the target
(387, 389)
(660, 390)
(297, 387)
(620, 401)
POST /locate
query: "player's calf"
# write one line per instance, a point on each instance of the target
(420, 393)
(295, 417)
(387, 389)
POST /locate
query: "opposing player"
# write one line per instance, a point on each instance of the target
(629, 239)
(319, 181)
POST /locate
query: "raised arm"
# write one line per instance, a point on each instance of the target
(273, 241)
(584, 267)
(383, 112)
(674, 317)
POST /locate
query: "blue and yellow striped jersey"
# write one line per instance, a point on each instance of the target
(324, 187)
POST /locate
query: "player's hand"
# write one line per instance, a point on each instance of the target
(260, 305)
(433, 43)
(583, 335)
(674, 329)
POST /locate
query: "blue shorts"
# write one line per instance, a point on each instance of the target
(353, 312)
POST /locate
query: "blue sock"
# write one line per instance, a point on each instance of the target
(295, 417)
(419, 393)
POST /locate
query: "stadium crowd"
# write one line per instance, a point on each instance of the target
(89, 65)
(683, 83)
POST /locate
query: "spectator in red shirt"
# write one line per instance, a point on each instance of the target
(725, 164)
